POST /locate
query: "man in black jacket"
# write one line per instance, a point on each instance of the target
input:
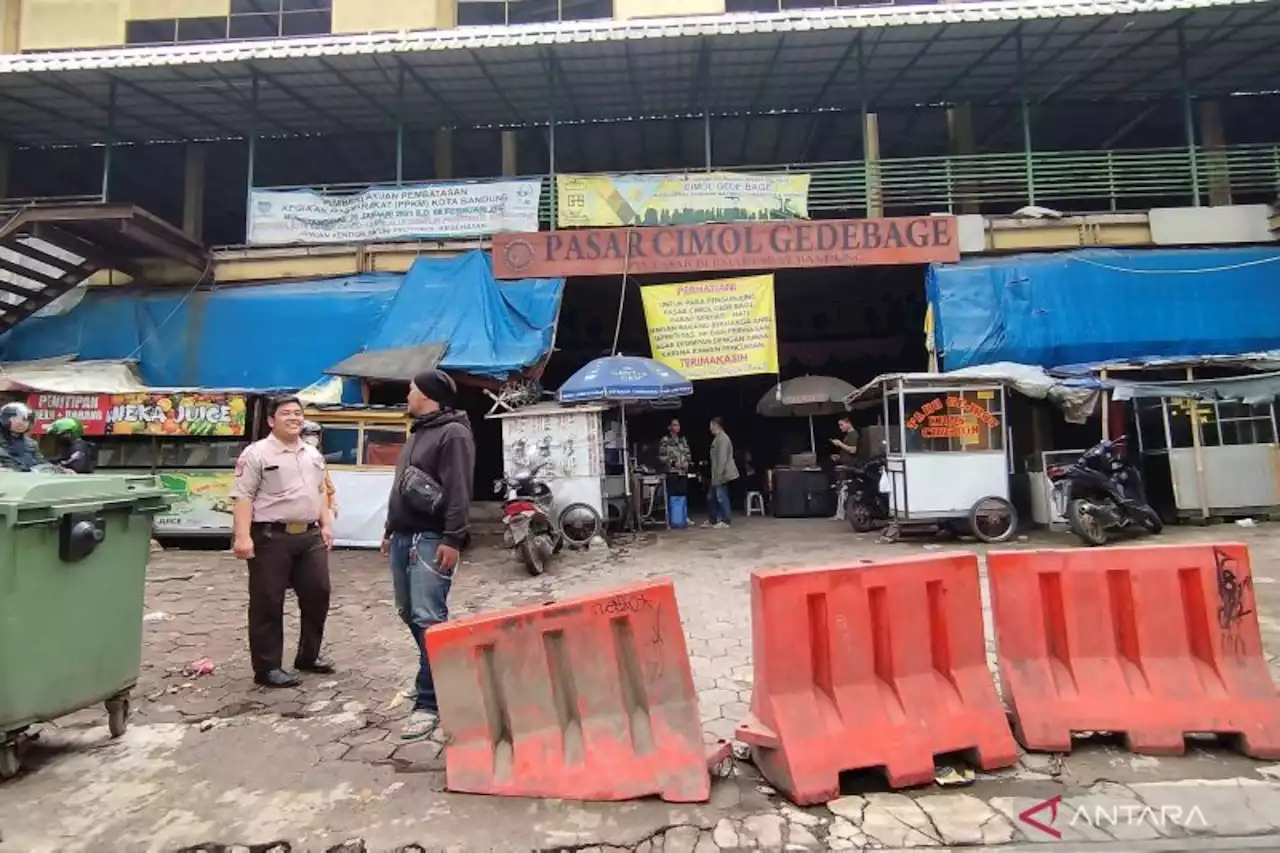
(424, 546)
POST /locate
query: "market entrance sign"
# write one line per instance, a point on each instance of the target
(735, 246)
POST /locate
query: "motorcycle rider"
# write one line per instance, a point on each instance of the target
(18, 450)
(74, 453)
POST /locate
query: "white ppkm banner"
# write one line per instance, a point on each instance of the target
(418, 211)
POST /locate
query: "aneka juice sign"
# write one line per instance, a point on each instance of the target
(181, 414)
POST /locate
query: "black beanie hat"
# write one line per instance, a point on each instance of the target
(437, 385)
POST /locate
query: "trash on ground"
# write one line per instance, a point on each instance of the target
(1246, 522)
(157, 616)
(204, 666)
(949, 777)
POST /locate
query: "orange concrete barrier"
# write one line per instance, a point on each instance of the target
(586, 699)
(880, 665)
(1152, 642)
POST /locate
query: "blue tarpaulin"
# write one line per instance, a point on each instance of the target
(488, 328)
(1099, 305)
(284, 336)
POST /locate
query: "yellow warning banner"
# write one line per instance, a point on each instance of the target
(713, 329)
(606, 201)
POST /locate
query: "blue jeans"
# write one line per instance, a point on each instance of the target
(422, 598)
(718, 508)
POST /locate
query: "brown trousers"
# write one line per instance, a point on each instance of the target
(282, 561)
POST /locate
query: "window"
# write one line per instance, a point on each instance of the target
(791, 5)
(151, 32)
(202, 29)
(480, 13)
(382, 446)
(200, 453)
(340, 444)
(954, 421)
(249, 19)
(374, 443)
(1244, 423)
(1150, 416)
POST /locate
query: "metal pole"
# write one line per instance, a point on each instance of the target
(551, 139)
(1028, 160)
(1197, 445)
(551, 164)
(706, 137)
(1188, 116)
(400, 127)
(111, 139)
(253, 153)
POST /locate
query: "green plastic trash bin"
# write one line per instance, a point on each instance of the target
(73, 559)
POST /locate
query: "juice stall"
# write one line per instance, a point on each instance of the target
(190, 438)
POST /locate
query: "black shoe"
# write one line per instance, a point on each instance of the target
(319, 666)
(276, 678)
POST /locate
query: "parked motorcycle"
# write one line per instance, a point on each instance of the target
(531, 529)
(866, 505)
(1102, 494)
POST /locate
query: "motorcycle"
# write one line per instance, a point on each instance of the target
(1102, 494)
(530, 528)
(866, 504)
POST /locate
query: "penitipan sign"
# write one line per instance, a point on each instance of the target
(729, 247)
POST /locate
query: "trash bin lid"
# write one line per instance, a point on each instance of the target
(28, 491)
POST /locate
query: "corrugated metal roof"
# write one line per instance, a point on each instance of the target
(602, 71)
(579, 32)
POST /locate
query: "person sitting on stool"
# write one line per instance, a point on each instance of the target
(282, 528)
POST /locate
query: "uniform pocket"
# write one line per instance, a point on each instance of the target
(273, 482)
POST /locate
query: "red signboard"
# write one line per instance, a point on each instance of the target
(735, 246)
(180, 414)
(89, 409)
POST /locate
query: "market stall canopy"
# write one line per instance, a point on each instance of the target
(805, 396)
(1253, 389)
(65, 376)
(453, 313)
(1076, 397)
(1104, 305)
(285, 335)
(265, 337)
(626, 379)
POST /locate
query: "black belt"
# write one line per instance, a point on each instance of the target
(293, 528)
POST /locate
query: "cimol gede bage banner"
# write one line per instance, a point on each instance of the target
(714, 329)
(610, 201)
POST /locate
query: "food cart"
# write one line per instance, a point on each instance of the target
(570, 441)
(190, 438)
(948, 462)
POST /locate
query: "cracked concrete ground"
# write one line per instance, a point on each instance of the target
(211, 762)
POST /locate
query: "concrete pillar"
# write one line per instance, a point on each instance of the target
(444, 153)
(510, 158)
(960, 133)
(871, 156)
(193, 191)
(1213, 140)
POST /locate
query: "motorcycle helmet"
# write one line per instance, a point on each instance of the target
(311, 432)
(68, 428)
(11, 412)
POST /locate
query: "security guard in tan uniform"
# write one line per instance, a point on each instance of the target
(282, 527)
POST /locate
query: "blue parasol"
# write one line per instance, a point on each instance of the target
(625, 379)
